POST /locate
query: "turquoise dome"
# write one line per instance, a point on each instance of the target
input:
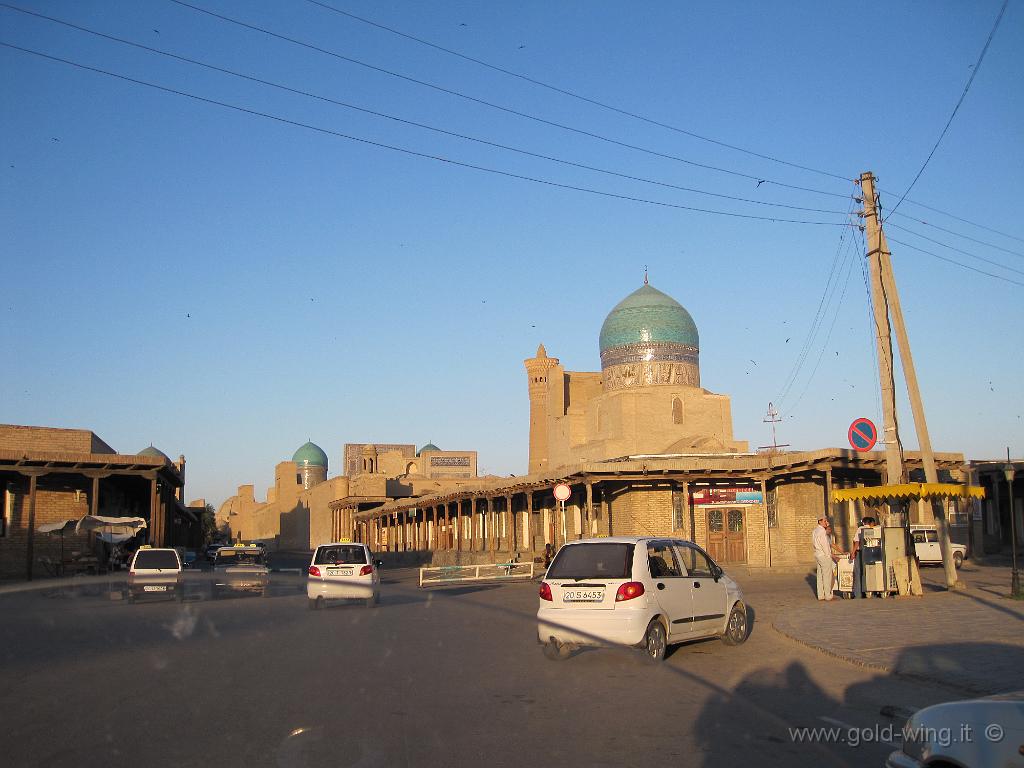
(648, 315)
(427, 447)
(310, 455)
(154, 453)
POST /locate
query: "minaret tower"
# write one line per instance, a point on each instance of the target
(537, 376)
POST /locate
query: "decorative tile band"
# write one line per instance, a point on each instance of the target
(649, 352)
(648, 374)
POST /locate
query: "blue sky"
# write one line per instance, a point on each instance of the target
(228, 286)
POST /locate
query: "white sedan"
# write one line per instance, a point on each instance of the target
(343, 570)
(636, 591)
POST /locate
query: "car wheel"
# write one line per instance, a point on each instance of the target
(736, 629)
(371, 602)
(556, 651)
(958, 559)
(315, 604)
(655, 642)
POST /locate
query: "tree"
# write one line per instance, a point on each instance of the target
(209, 524)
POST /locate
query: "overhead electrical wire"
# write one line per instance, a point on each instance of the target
(958, 218)
(958, 234)
(872, 351)
(958, 250)
(572, 94)
(508, 110)
(805, 347)
(970, 80)
(405, 121)
(411, 152)
(958, 263)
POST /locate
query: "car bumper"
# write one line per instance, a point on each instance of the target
(900, 759)
(341, 590)
(595, 627)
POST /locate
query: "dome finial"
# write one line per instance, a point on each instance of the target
(645, 274)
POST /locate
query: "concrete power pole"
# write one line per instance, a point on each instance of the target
(886, 301)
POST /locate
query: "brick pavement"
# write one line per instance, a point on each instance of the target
(970, 639)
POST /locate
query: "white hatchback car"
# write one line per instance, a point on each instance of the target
(636, 591)
(343, 570)
(154, 573)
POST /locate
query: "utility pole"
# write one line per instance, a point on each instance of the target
(886, 300)
(773, 419)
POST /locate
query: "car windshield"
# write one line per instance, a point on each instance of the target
(340, 555)
(593, 561)
(156, 558)
(227, 557)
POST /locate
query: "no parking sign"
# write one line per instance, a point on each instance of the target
(863, 434)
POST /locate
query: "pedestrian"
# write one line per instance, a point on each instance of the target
(549, 553)
(824, 559)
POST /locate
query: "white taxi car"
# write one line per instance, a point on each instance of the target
(154, 573)
(636, 591)
(343, 570)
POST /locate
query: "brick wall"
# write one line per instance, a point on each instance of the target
(641, 511)
(19, 438)
(55, 502)
(799, 506)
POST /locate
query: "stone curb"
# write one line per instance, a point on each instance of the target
(960, 687)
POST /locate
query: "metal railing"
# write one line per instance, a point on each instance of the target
(447, 575)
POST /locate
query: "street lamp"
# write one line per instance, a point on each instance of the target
(1009, 472)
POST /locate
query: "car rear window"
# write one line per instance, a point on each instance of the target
(340, 555)
(593, 561)
(239, 557)
(155, 558)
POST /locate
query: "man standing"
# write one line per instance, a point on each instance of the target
(823, 557)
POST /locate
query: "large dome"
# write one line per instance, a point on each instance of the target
(648, 315)
(310, 455)
(649, 338)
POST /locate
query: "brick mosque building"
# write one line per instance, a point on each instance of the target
(646, 450)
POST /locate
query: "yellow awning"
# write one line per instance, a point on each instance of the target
(910, 491)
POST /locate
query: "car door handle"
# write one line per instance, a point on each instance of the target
(696, 584)
(661, 585)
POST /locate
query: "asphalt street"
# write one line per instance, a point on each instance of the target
(447, 677)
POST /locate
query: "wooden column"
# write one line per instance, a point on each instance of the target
(530, 533)
(156, 533)
(30, 541)
(94, 498)
(458, 526)
(510, 520)
(767, 528)
(472, 525)
(492, 515)
(590, 508)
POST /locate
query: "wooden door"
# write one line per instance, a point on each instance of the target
(727, 535)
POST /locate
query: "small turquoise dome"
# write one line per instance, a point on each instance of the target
(427, 447)
(154, 453)
(648, 315)
(310, 455)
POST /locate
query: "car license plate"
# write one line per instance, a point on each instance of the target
(154, 588)
(582, 595)
(339, 571)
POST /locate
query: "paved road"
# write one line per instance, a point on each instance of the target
(449, 677)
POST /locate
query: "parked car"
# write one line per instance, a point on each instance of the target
(211, 550)
(241, 568)
(636, 591)
(343, 570)
(975, 732)
(926, 546)
(154, 573)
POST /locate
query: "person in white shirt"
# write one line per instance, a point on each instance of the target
(823, 557)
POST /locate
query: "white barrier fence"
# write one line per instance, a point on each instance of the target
(446, 575)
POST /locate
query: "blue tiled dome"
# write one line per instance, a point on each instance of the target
(647, 315)
(310, 455)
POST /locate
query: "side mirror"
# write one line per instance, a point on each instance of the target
(378, 563)
(717, 573)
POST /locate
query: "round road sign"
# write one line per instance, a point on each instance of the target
(562, 492)
(863, 435)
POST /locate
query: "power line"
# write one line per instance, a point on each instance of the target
(958, 234)
(958, 218)
(872, 325)
(974, 73)
(851, 258)
(508, 110)
(958, 250)
(958, 263)
(411, 152)
(815, 322)
(405, 121)
(572, 94)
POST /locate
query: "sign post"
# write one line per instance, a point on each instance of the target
(562, 493)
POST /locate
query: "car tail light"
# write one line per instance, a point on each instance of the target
(545, 591)
(314, 571)
(628, 591)
(366, 570)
